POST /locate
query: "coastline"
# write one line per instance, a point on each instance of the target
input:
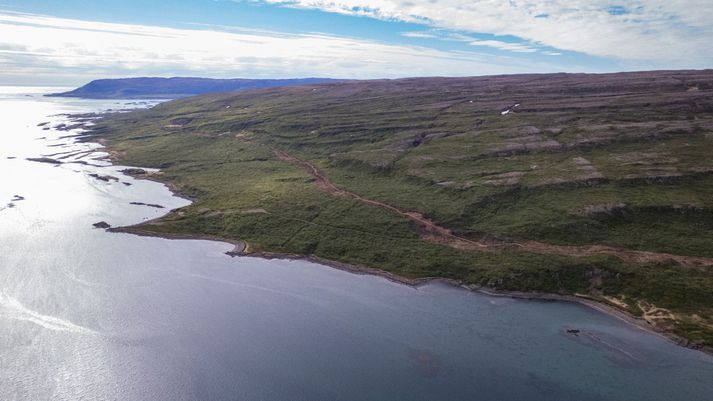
(241, 249)
(581, 299)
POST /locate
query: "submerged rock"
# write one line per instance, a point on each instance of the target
(105, 178)
(102, 224)
(147, 204)
(44, 160)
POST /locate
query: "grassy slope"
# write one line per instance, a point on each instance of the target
(621, 159)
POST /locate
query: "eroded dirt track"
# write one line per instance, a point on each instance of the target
(432, 232)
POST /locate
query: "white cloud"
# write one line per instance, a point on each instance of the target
(518, 47)
(45, 47)
(419, 34)
(513, 47)
(674, 33)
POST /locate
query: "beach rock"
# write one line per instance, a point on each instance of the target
(238, 250)
(133, 171)
(102, 224)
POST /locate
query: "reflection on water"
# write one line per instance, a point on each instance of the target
(86, 314)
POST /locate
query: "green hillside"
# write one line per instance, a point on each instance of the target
(562, 183)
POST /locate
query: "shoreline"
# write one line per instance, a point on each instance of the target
(241, 249)
(584, 300)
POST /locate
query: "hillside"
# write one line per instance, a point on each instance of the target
(173, 88)
(598, 185)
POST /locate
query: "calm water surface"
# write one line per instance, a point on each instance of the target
(91, 315)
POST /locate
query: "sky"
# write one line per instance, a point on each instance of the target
(70, 42)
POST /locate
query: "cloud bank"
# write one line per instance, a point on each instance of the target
(673, 33)
(57, 50)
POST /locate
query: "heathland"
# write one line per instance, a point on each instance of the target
(595, 185)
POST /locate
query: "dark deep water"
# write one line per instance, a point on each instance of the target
(90, 315)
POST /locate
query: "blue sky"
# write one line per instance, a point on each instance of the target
(73, 41)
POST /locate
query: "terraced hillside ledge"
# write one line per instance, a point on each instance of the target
(596, 186)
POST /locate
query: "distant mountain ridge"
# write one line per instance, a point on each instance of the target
(172, 88)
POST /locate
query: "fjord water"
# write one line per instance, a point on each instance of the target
(91, 315)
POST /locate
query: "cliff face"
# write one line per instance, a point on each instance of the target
(172, 88)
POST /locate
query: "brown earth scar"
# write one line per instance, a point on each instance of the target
(433, 232)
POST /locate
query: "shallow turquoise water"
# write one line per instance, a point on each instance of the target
(86, 314)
